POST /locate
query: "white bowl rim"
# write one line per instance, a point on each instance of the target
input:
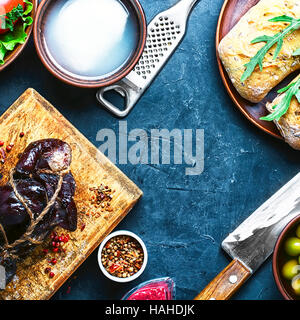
(139, 240)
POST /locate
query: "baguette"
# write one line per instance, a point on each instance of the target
(289, 124)
(235, 49)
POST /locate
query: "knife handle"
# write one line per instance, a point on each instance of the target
(226, 283)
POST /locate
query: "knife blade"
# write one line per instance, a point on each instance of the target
(254, 241)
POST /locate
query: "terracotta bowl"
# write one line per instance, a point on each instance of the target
(12, 55)
(54, 68)
(280, 257)
(231, 13)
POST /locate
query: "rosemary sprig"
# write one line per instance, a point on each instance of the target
(270, 42)
(282, 107)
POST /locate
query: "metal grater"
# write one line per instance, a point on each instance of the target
(165, 33)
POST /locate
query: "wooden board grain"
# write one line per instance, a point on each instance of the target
(38, 119)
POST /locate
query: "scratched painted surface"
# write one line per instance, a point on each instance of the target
(182, 219)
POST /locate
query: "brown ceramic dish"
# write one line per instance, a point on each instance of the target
(12, 55)
(279, 258)
(231, 13)
(87, 83)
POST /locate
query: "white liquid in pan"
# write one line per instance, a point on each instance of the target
(90, 38)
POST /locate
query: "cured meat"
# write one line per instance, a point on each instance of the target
(38, 197)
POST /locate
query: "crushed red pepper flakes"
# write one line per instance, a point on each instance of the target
(100, 200)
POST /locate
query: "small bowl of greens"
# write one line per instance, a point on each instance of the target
(286, 261)
(16, 18)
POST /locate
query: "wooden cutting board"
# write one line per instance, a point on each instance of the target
(38, 119)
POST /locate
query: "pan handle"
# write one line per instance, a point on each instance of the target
(130, 94)
(226, 283)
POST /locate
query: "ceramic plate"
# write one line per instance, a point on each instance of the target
(231, 13)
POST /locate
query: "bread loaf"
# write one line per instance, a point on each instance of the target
(235, 49)
(289, 124)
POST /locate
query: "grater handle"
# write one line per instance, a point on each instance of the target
(132, 87)
(184, 7)
(129, 93)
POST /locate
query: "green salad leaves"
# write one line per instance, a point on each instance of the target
(16, 34)
(294, 24)
(292, 90)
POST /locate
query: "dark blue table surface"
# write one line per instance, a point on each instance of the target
(182, 219)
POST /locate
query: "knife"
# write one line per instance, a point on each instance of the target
(254, 241)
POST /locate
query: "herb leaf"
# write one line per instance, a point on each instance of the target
(298, 96)
(282, 19)
(29, 7)
(270, 42)
(282, 107)
(286, 88)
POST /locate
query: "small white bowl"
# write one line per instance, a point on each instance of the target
(139, 240)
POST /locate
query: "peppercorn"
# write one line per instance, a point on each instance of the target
(65, 239)
(47, 270)
(122, 256)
